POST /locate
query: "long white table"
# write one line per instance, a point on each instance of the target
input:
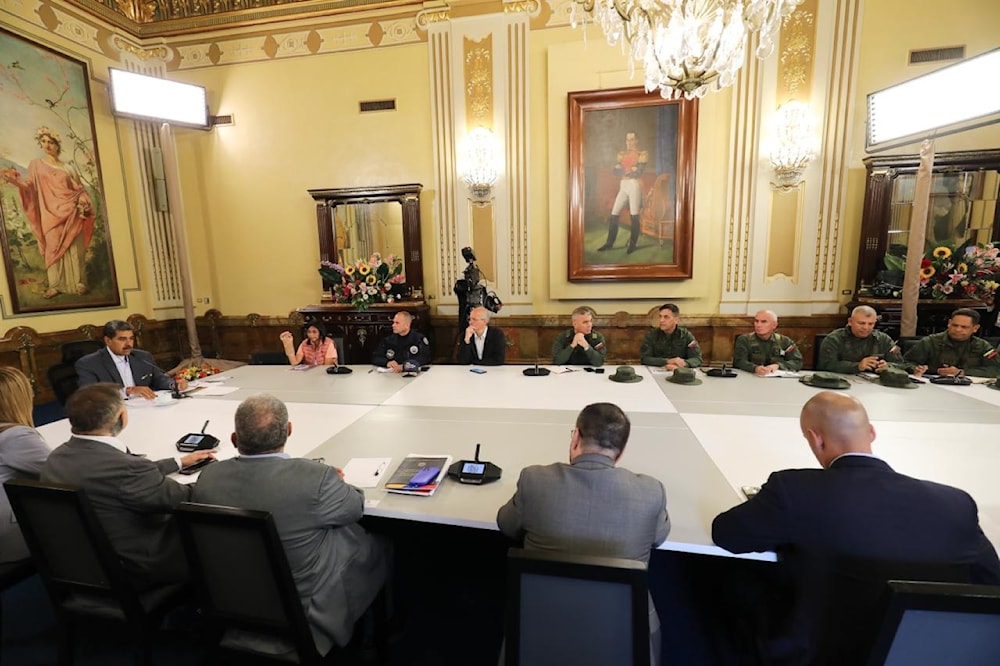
(703, 442)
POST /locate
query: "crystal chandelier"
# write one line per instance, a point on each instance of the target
(688, 47)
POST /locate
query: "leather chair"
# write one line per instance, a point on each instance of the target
(928, 624)
(63, 380)
(268, 358)
(564, 608)
(81, 571)
(908, 342)
(77, 349)
(817, 342)
(838, 603)
(240, 568)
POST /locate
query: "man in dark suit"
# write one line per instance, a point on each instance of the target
(855, 507)
(482, 345)
(590, 506)
(338, 568)
(121, 363)
(130, 494)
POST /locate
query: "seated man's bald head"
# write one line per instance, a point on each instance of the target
(834, 424)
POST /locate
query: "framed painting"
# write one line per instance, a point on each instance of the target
(53, 218)
(631, 185)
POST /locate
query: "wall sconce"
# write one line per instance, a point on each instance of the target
(794, 145)
(479, 163)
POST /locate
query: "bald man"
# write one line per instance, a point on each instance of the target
(856, 505)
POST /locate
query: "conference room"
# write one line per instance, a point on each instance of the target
(333, 133)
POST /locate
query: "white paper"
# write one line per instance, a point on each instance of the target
(216, 378)
(366, 472)
(783, 373)
(216, 390)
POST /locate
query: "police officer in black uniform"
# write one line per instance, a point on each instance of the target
(404, 347)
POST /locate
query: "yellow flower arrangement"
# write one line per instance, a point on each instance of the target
(965, 271)
(941, 252)
(365, 281)
(194, 372)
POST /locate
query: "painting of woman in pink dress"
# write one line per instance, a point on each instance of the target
(54, 228)
(61, 215)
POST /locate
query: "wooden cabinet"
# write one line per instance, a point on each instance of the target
(963, 205)
(362, 330)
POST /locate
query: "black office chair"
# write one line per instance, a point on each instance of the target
(268, 358)
(77, 349)
(908, 342)
(564, 608)
(252, 596)
(839, 601)
(817, 342)
(63, 380)
(929, 624)
(81, 571)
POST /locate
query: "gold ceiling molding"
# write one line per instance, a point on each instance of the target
(159, 18)
(143, 54)
(798, 41)
(521, 7)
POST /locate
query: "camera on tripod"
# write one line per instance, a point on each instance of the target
(471, 289)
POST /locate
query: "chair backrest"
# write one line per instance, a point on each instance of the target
(240, 567)
(817, 342)
(268, 358)
(74, 351)
(908, 342)
(69, 546)
(339, 344)
(575, 609)
(63, 380)
(839, 600)
(928, 624)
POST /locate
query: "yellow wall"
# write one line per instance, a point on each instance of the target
(252, 226)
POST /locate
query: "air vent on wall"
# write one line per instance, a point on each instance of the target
(378, 105)
(937, 55)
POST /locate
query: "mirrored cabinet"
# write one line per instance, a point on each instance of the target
(963, 206)
(354, 223)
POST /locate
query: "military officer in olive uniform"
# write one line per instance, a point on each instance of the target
(404, 346)
(580, 345)
(764, 351)
(858, 347)
(957, 351)
(670, 346)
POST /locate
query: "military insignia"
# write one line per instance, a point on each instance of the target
(414, 349)
(425, 341)
(894, 350)
(789, 349)
(390, 353)
(693, 344)
(990, 354)
(599, 346)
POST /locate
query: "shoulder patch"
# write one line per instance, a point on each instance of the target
(692, 344)
(414, 349)
(425, 341)
(390, 353)
(990, 354)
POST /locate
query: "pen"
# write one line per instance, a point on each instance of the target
(380, 468)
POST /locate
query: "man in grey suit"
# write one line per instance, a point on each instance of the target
(589, 506)
(121, 363)
(338, 568)
(130, 494)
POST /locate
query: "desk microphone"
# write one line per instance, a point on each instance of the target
(720, 372)
(535, 372)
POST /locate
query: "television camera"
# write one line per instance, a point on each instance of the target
(471, 290)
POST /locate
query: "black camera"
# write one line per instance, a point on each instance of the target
(471, 289)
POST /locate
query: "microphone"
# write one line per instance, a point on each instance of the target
(535, 372)
(477, 452)
(176, 394)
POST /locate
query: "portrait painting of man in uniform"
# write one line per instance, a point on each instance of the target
(53, 221)
(631, 204)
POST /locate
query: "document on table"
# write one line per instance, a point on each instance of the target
(783, 373)
(215, 389)
(366, 472)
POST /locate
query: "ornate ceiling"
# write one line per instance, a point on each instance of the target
(149, 18)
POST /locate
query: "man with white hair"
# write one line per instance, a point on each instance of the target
(482, 344)
(764, 351)
(858, 347)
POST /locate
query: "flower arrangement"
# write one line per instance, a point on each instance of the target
(969, 270)
(363, 282)
(194, 372)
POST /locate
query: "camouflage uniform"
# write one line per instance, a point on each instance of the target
(841, 351)
(975, 356)
(402, 348)
(659, 347)
(563, 354)
(751, 351)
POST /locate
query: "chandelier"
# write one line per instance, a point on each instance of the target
(794, 145)
(688, 47)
